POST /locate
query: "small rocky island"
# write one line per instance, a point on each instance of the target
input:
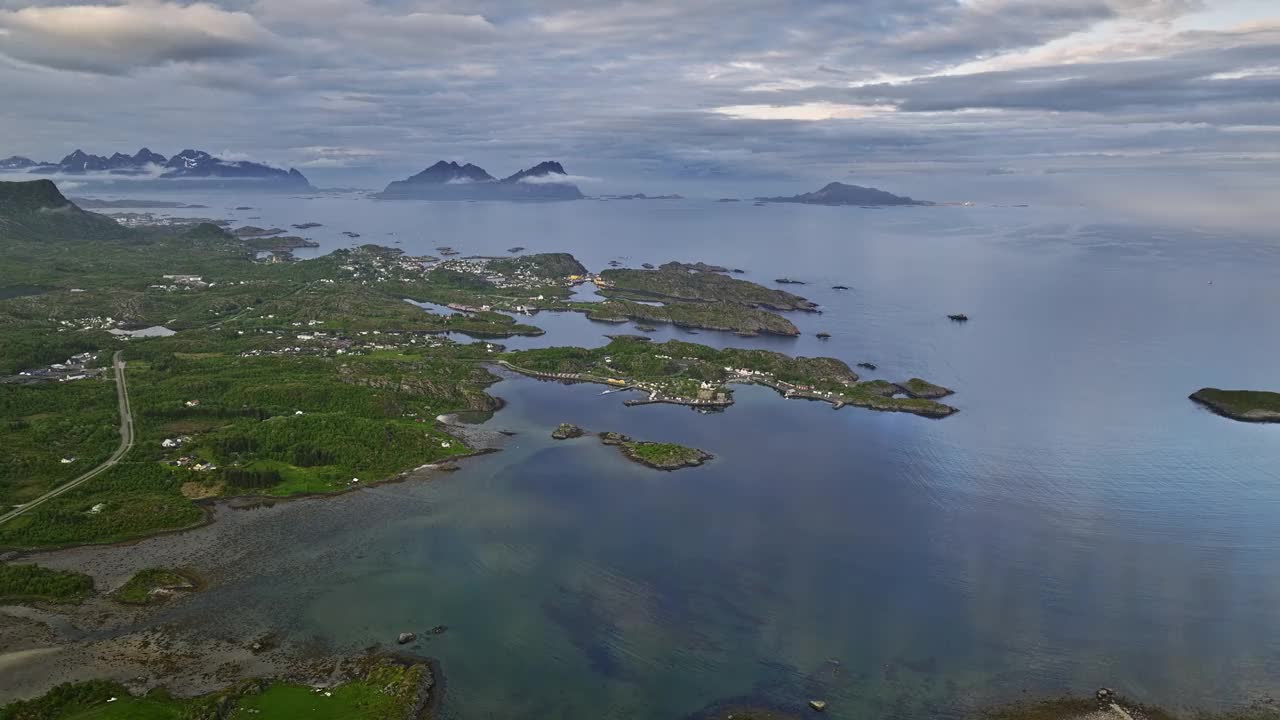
(659, 456)
(1257, 406)
(567, 431)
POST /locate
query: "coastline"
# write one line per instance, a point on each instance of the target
(149, 646)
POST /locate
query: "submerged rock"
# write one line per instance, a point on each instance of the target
(405, 638)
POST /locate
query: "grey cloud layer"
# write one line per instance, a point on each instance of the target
(708, 89)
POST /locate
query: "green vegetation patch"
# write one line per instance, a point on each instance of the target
(664, 456)
(41, 425)
(28, 583)
(153, 585)
(686, 372)
(385, 689)
(918, 388)
(679, 282)
(130, 500)
(726, 317)
(549, 266)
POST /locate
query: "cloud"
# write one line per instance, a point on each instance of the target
(810, 111)
(118, 38)
(983, 27)
(556, 179)
(782, 96)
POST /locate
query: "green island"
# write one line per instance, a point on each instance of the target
(374, 688)
(698, 376)
(154, 585)
(727, 317)
(657, 455)
(696, 283)
(1257, 406)
(694, 296)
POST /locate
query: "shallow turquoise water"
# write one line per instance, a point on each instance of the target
(1079, 523)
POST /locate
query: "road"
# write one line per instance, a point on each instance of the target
(126, 443)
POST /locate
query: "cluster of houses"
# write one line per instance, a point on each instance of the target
(89, 323)
(76, 367)
(522, 278)
(182, 282)
(186, 461)
(324, 343)
(380, 267)
(191, 463)
(146, 219)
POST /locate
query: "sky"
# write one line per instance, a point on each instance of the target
(938, 97)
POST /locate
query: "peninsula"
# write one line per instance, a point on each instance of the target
(698, 376)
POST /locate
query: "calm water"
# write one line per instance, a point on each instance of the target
(1079, 523)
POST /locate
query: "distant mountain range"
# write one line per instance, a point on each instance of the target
(451, 181)
(837, 193)
(188, 164)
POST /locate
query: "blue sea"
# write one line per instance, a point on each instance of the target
(1079, 522)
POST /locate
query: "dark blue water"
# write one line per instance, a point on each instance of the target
(1079, 523)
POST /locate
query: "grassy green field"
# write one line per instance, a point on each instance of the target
(138, 589)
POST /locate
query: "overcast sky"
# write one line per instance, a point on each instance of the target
(935, 94)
